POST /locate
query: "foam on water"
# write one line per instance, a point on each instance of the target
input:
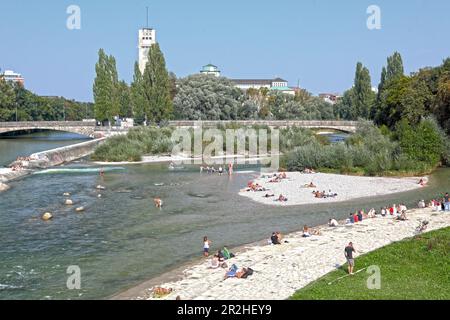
(78, 170)
(9, 287)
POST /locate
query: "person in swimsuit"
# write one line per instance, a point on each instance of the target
(206, 245)
(158, 203)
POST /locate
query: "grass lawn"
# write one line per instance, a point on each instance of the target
(416, 268)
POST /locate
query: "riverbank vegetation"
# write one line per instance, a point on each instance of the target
(406, 150)
(142, 141)
(410, 269)
(136, 143)
(18, 103)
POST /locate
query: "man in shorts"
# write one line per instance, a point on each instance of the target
(348, 251)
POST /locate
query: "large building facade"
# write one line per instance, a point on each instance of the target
(147, 38)
(11, 76)
(276, 84)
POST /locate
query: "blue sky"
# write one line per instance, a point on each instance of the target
(316, 42)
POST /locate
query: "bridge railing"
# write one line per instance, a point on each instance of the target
(47, 124)
(270, 123)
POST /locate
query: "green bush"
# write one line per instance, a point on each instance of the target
(372, 150)
(118, 148)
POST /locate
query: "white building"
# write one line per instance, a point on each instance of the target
(11, 76)
(147, 38)
(210, 69)
(330, 97)
(277, 84)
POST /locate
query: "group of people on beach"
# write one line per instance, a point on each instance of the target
(308, 171)
(219, 261)
(324, 195)
(274, 178)
(18, 163)
(276, 238)
(220, 170)
(278, 177)
(437, 204)
(255, 187)
(396, 211)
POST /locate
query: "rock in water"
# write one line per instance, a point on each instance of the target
(99, 187)
(99, 196)
(47, 216)
(66, 194)
(79, 209)
(3, 187)
(68, 202)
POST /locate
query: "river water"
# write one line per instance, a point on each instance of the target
(122, 239)
(12, 147)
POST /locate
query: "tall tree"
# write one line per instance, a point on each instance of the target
(7, 101)
(363, 94)
(394, 68)
(126, 110)
(390, 74)
(374, 114)
(382, 83)
(106, 88)
(206, 97)
(137, 96)
(158, 104)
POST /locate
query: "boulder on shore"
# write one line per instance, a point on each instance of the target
(47, 216)
(68, 202)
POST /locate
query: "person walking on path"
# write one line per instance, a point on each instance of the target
(348, 251)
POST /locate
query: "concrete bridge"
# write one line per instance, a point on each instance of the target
(86, 128)
(89, 128)
(344, 126)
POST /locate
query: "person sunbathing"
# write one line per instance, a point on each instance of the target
(402, 216)
(269, 195)
(159, 291)
(234, 272)
(282, 198)
(280, 237)
(274, 238)
(231, 273)
(306, 232)
(308, 171)
(310, 185)
(282, 175)
(318, 194)
(215, 263)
